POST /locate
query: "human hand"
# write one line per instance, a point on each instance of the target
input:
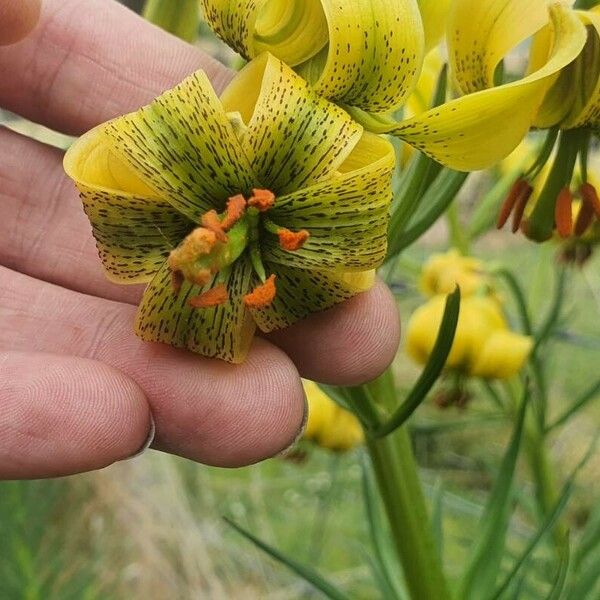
(78, 390)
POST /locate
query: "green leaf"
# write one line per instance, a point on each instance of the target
(484, 565)
(304, 571)
(516, 291)
(561, 576)
(437, 516)
(549, 324)
(590, 394)
(432, 370)
(385, 556)
(434, 204)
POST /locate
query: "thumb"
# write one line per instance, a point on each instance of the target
(17, 19)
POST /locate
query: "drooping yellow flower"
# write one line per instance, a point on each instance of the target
(254, 209)
(329, 425)
(484, 346)
(443, 272)
(367, 56)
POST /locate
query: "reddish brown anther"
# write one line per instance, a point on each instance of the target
(563, 213)
(263, 200)
(214, 297)
(236, 205)
(590, 196)
(584, 218)
(263, 295)
(518, 196)
(292, 240)
(210, 220)
(177, 280)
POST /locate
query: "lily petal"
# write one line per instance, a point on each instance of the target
(347, 216)
(365, 54)
(224, 331)
(184, 147)
(134, 229)
(477, 130)
(301, 292)
(434, 14)
(293, 137)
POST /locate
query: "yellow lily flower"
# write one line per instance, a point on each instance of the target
(329, 425)
(483, 345)
(254, 209)
(541, 208)
(443, 272)
(367, 57)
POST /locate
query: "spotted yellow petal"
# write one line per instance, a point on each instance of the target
(346, 216)
(224, 331)
(301, 292)
(184, 147)
(477, 130)
(292, 136)
(134, 229)
(365, 54)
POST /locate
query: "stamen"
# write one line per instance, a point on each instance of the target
(210, 220)
(263, 200)
(563, 213)
(590, 196)
(234, 212)
(202, 277)
(520, 206)
(584, 218)
(214, 297)
(198, 243)
(292, 240)
(263, 295)
(516, 191)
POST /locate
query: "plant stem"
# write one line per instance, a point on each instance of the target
(400, 489)
(458, 236)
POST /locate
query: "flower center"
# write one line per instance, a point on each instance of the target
(211, 249)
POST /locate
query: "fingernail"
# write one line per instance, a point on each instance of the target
(148, 441)
(300, 433)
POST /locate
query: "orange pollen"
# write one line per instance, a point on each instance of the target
(262, 295)
(590, 196)
(214, 297)
(200, 242)
(210, 221)
(263, 200)
(563, 213)
(507, 206)
(292, 240)
(236, 207)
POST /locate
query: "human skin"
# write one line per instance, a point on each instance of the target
(78, 390)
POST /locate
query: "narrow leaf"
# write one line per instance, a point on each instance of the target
(561, 576)
(304, 571)
(484, 565)
(580, 403)
(433, 368)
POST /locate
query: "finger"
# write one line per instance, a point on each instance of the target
(349, 344)
(88, 62)
(17, 19)
(62, 415)
(206, 410)
(45, 234)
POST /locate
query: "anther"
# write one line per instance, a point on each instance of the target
(520, 206)
(236, 205)
(563, 213)
(214, 297)
(263, 200)
(292, 240)
(584, 218)
(590, 196)
(210, 220)
(516, 191)
(263, 295)
(177, 280)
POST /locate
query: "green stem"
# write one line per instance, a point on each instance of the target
(400, 489)
(180, 17)
(458, 236)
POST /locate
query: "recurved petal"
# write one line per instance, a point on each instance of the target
(366, 54)
(434, 14)
(184, 147)
(293, 137)
(301, 292)
(477, 130)
(346, 216)
(134, 229)
(224, 331)
(503, 355)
